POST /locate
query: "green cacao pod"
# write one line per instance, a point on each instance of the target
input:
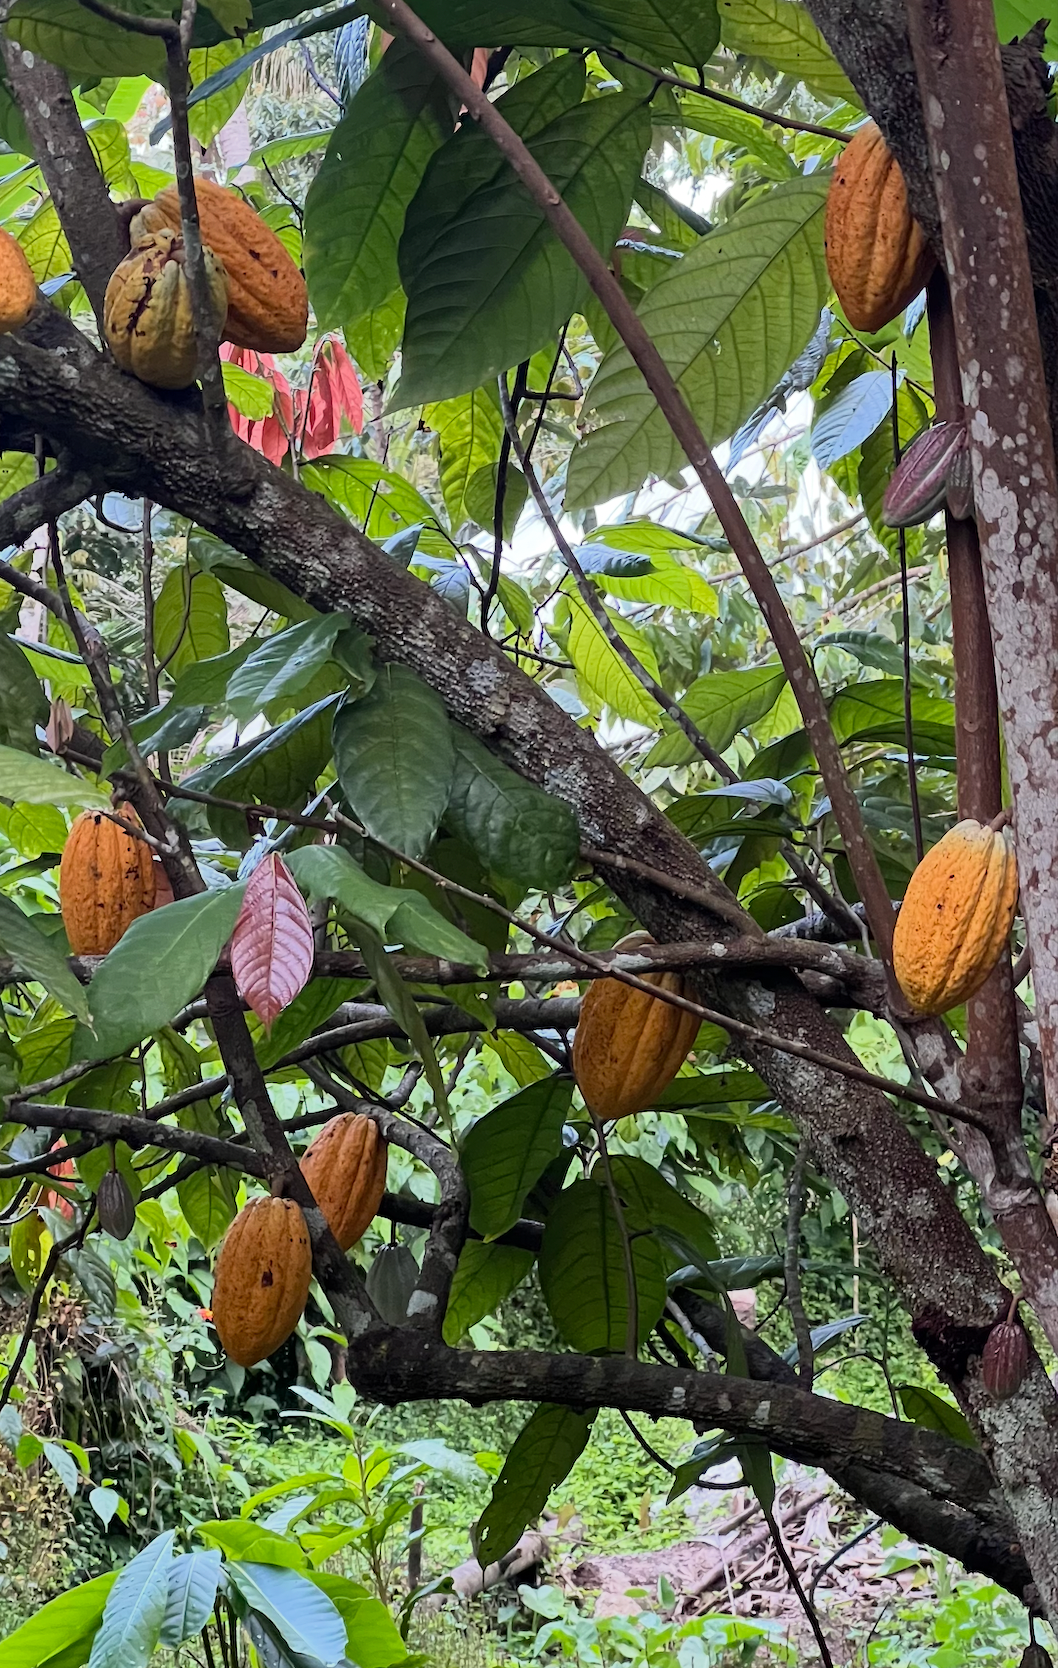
(391, 1279)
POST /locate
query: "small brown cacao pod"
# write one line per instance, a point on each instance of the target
(1034, 1656)
(268, 303)
(877, 254)
(1005, 1360)
(18, 287)
(261, 1286)
(961, 485)
(147, 311)
(116, 1206)
(922, 480)
(629, 1046)
(956, 916)
(106, 880)
(346, 1169)
(391, 1279)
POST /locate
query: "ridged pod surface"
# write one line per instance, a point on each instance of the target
(115, 1205)
(268, 303)
(18, 287)
(346, 1169)
(877, 254)
(147, 313)
(106, 881)
(956, 916)
(262, 1281)
(629, 1046)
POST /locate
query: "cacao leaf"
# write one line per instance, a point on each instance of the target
(272, 947)
(544, 1453)
(484, 1276)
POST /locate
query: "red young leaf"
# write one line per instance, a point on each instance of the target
(335, 393)
(272, 945)
(267, 435)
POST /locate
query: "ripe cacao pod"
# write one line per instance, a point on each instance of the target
(956, 916)
(877, 254)
(106, 880)
(262, 1281)
(346, 1169)
(629, 1046)
(391, 1279)
(935, 470)
(18, 287)
(116, 1206)
(1005, 1360)
(268, 302)
(147, 313)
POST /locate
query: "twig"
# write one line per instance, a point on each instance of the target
(795, 1204)
(58, 1250)
(795, 1582)
(669, 80)
(650, 1451)
(797, 549)
(874, 1524)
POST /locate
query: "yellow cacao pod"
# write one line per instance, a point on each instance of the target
(18, 287)
(106, 881)
(268, 303)
(877, 254)
(956, 916)
(262, 1281)
(629, 1046)
(346, 1169)
(147, 312)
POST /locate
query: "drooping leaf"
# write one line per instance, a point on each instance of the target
(395, 759)
(66, 33)
(190, 620)
(515, 828)
(207, 1203)
(402, 1005)
(924, 1407)
(272, 947)
(582, 1272)
(34, 782)
(62, 1631)
(484, 1276)
(720, 705)
(603, 669)
(469, 433)
(851, 417)
(22, 701)
(505, 1153)
(307, 1621)
(161, 963)
(544, 1453)
(135, 1609)
(373, 1638)
(37, 956)
(652, 1204)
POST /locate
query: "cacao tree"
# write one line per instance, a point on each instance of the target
(405, 818)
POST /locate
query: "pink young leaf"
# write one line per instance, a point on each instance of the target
(272, 945)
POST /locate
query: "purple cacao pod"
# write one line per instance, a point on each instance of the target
(1005, 1360)
(960, 494)
(1035, 1656)
(116, 1206)
(919, 483)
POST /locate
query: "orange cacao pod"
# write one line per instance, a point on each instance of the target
(262, 1281)
(147, 312)
(346, 1169)
(106, 880)
(956, 916)
(268, 303)
(18, 287)
(877, 254)
(629, 1046)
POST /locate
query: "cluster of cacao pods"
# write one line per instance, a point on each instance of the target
(18, 287)
(934, 471)
(877, 254)
(258, 296)
(106, 881)
(264, 1269)
(629, 1046)
(956, 916)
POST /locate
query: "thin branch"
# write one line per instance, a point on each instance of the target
(43, 500)
(159, 27)
(650, 1451)
(667, 79)
(794, 1580)
(795, 1204)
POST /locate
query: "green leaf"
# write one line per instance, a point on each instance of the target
(419, 926)
(158, 731)
(378, 500)
(484, 1276)
(729, 319)
(283, 665)
(669, 585)
(403, 1007)
(924, 1407)
(784, 35)
(515, 828)
(279, 769)
(395, 759)
(60, 1635)
(161, 964)
(479, 500)
(736, 127)
(487, 281)
(721, 704)
(33, 829)
(135, 1609)
(874, 710)
(204, 683)
(469, 434)
(33, 782)
(248, 1541)
(330, 872)
(506, 1152)
(713, 1088)
(518, 1056)
(252, 396)
(23, 704)
(207, 1202)
(28, 1245)
(240, 574)
(373, 1640)
(602, 668)
(37, 956)
(64, 1466)
(186, 631)
(355, 208)
(64, 32)
(544, 1453)
(652, 1204)
(207, 116)
(309, 1009)
(307, 1621)
(582, 1273)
